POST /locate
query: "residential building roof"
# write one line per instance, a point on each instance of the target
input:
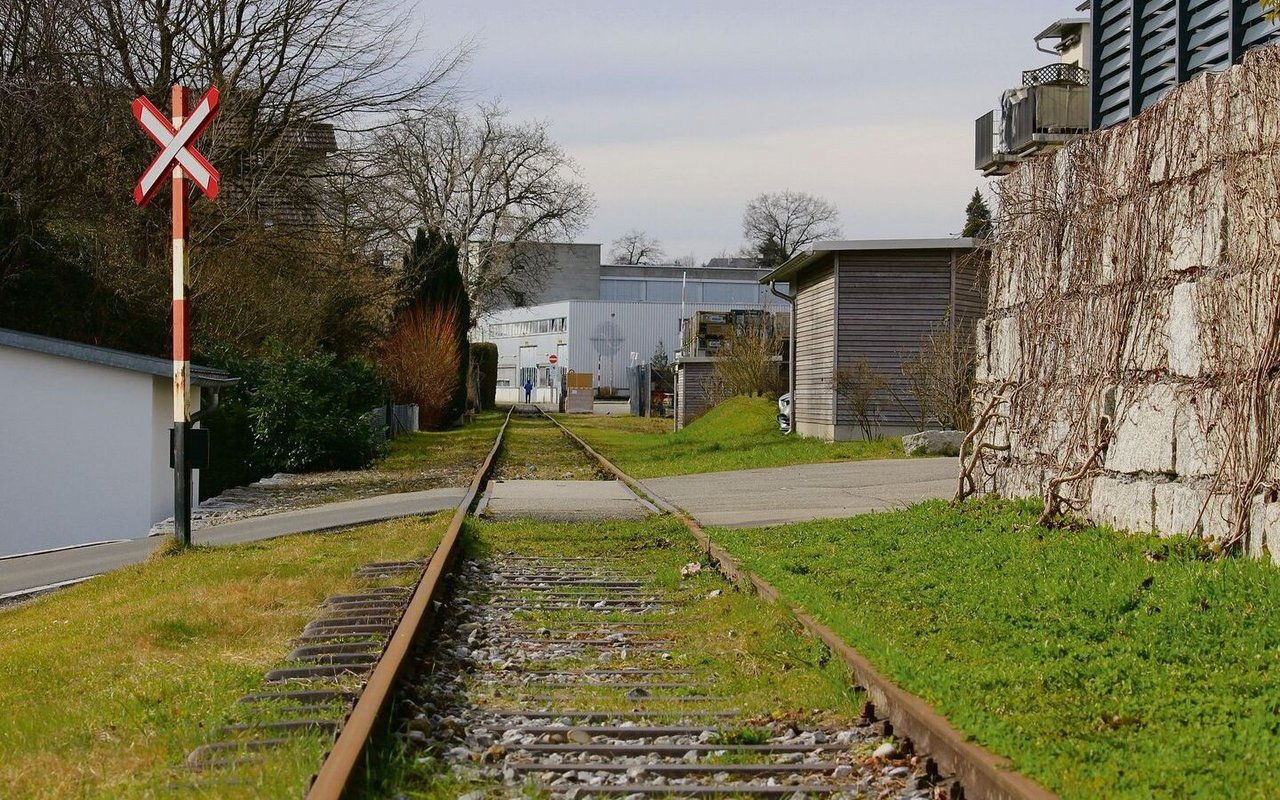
(811, 253)
(107, 357)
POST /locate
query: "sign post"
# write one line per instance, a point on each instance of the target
(179, 159)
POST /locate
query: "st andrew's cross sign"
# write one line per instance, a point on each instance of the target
(177, 147)
(180, 160)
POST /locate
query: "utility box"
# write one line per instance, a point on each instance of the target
(580, 395)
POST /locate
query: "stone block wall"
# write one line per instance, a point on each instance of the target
(1132, 342)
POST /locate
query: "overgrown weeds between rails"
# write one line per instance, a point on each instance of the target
(756, 651)
(1103, 664)
(107, 686)
(741, 433)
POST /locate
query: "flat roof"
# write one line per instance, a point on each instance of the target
(107, 357)
(813, 252)
(1063, 28)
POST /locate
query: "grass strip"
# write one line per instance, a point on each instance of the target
(534, 449)
(740, 433)
(1103, 664)
(107, 686)
(752, 651)
(442, 458)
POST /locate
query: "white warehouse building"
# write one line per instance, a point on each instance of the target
(607, 319)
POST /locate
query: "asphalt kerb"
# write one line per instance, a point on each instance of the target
(981, 773)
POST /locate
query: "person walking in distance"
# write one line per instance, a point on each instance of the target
(528, 391)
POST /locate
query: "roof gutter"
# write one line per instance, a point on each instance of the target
(791, 360)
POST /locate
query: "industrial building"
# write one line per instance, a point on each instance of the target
(604, 319)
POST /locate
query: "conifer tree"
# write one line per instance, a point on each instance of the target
(977, 221)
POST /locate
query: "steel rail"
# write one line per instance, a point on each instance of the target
(982, 774)
(342, 764)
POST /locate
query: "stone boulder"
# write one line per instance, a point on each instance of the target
(933, 443)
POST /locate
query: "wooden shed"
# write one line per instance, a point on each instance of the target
(874, 302)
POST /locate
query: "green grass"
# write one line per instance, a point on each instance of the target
(458, 450)
(1102, 664)
(534, 449)
(753, 651)
(741, 433)
(108, 685)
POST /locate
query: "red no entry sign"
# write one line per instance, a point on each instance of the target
(552, 359)
(176, 147)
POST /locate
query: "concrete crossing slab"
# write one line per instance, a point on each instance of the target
(563, 501)
(776, 496)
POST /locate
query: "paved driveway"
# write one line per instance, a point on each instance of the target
(759, 497)
(24, 573)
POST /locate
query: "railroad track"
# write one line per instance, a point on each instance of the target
(560, 675)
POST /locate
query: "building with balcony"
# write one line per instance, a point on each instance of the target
(1049, 109)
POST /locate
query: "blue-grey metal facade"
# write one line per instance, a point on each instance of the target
(1143, 48)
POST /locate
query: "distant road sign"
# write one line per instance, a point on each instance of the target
(552, 359)
(176, 148)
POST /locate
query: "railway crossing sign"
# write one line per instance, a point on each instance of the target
(181, 161)
(177, 147)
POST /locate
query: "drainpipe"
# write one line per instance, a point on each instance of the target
(791, 362)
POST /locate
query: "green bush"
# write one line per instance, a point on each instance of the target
(291, 412)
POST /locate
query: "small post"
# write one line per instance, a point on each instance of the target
(181, 342)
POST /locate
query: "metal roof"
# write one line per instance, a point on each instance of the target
(106, 357)
(813, 252)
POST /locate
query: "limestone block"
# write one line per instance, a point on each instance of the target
(1182, 332)
(1143, 430)
(1123, 504)
(1237, 312)
(1253, 208)
(1264, 530)
(1005, 348)
(1200, 438)
(933, 443)
(1174, 135)
(1177, 509)
(1193, 223)
(1145, 347)
(1021, 481)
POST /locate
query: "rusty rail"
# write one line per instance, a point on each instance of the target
(982, 774)
(342, 764)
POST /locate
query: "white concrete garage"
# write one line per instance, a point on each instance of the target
(84, 442)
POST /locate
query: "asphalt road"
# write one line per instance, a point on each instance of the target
(760, 497)
(44, 569)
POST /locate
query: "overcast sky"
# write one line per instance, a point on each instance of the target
(679, 111)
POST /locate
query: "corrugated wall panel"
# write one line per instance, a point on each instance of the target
(1143, 48)
(815, 345)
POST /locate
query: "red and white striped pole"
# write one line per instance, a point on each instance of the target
(181, 341)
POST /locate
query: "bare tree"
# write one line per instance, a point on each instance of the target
(861, 390)
(941, 375)
(492, 184)
(750, 361)
(776, 225)
(636, 247)
(290, 72)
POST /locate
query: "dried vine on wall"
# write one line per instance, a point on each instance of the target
(1133, 274)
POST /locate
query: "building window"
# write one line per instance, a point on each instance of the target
(730, 292)
(663, 291)
(616, 291)
(507, 330)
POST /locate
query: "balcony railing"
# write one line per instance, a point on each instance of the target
(1033, 119)
(1058, 73)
